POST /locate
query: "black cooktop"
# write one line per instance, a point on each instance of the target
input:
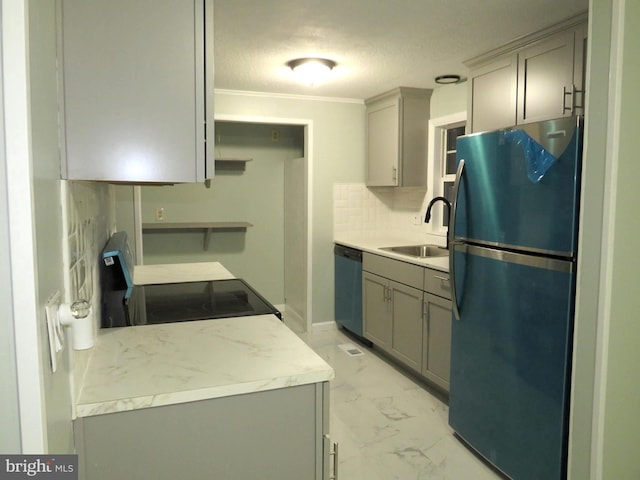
(187, 301)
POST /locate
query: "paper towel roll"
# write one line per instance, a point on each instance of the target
(81, 326)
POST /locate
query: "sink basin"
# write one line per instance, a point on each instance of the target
(419, 251)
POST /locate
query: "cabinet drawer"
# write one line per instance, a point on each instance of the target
(402, 272)
(437, 282)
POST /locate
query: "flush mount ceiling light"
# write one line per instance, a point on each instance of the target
(447, 79)
(311, 71)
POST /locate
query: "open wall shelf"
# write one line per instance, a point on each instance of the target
(230, 163)
(207, 227)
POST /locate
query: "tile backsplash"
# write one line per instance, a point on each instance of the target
(89, 220)
(358, 209)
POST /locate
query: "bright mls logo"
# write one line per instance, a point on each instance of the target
(55, 467)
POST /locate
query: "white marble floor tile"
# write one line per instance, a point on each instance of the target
(389, 426)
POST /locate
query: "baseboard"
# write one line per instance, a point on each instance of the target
(293, 318)
(324, 326)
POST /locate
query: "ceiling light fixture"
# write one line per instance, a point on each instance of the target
(447, 79)
(311, 71)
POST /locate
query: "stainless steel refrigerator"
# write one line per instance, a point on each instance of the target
(514, 227)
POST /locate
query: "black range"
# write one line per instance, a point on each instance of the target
(125, 304)
(186, 301)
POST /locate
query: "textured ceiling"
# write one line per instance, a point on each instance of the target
(377, 44)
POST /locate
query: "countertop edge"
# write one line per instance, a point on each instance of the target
(376, 243)
(243, 340)
(187, 396)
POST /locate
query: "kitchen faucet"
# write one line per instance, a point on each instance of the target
(427, 216)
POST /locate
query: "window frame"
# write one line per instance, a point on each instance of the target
(437, 165)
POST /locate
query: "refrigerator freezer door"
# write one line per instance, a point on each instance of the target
(497, 202)
(510, 359)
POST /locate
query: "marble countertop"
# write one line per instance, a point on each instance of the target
(374, 244)
(154, 365)
(180, 272)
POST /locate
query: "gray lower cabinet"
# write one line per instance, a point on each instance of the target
(406, 324)
(270, 435)
(375, 309)
(392, 307)
(436, 340)
(392, 313)
(407, 313)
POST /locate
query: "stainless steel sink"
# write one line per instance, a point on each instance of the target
(419, 251)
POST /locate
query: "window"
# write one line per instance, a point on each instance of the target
(448, 158)
(443, 136)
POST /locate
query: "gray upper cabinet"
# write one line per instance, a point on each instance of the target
(538, 77)
(545, 74)
(493, 94)
(397, 127)
(136, 88)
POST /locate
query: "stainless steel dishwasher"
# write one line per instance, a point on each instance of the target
(348, 288)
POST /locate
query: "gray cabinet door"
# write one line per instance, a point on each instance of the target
(406, 311)
(133, 88)
(375, 309)
(270, 435)
(383, 143)
(545, 73)
(436, 358)
(493, 92)
(397, 129)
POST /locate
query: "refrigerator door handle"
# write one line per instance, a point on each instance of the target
(452, 242)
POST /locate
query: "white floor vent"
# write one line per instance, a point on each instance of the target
(351, 350)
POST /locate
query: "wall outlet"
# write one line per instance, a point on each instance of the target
(160, 214)
(275, 135)
(417, 219)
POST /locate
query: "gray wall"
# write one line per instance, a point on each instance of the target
(48, 214)
(10, 430)
(254, 195)
(449, 99)
(620, 328)
(337, 133)
(337, 152)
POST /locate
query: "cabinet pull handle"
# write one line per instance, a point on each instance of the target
(445, 279)
(334, 454)
(387, 294)
(395, 174)
(566, 93)
(575, 101)
(571, 92)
